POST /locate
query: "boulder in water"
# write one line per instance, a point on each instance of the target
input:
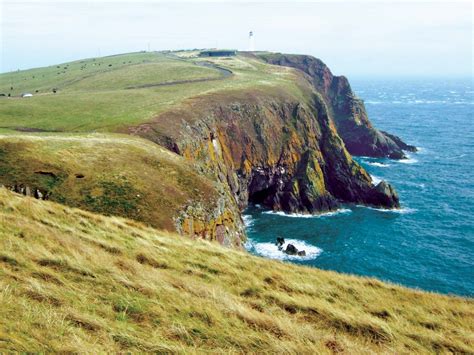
(279, 242)
(291, 249)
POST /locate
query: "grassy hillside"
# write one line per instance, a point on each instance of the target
(105, 73)
(73, 281)
(109, 174)
(111, 93)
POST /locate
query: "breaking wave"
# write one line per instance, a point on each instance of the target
(380, 165)
(271, 251)
(301, 215)
(375, 179)
(248, 220)
(404, 210)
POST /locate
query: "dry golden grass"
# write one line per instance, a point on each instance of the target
(75, 281)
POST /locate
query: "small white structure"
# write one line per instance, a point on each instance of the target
(251, 42)
(26, 94)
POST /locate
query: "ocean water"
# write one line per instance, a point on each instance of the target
(429, 243)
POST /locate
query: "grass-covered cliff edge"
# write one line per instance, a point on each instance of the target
(74, 281)
(212, 135)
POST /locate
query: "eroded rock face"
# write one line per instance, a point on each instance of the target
(269, 149)
(348, 112)
(276, 148)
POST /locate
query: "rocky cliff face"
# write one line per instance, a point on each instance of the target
(122, 177)
(268, 148)
(349, 113)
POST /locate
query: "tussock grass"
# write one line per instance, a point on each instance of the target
(75, 281)
(105, 173)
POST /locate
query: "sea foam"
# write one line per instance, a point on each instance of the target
(271, 251)
(408, 161)
(380, 165)
(248, 220)
(375, 179)
(302, 215)
(404, 210)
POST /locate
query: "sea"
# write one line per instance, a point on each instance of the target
(429, 243)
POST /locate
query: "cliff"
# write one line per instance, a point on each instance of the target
(236, 130)
(269, 147)
(122, 176)
(348, 111)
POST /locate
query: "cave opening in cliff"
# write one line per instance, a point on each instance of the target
(261, 196)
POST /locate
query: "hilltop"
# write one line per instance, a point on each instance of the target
(72, 281)
(246, 132)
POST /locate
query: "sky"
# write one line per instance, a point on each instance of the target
(357, 39)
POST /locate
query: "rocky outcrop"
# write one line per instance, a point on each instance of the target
(383, 195)
(128, 178)
(348, 111)
(268, 148)
(28, 191)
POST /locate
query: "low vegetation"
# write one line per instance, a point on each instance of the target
(111, 93)
(109, 174)
(75, 281)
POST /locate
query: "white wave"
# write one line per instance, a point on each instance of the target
(375, 179)
(404, 210)
(419, 102)
(380, 165)
(248, 220)
(408, 161)
(270, 250)
(302, 215)
(456, 157)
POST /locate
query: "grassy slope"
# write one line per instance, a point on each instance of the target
(96, 98)
(74, 281)
(119, 175)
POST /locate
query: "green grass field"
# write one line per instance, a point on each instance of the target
(95, 98)
(72, 281)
